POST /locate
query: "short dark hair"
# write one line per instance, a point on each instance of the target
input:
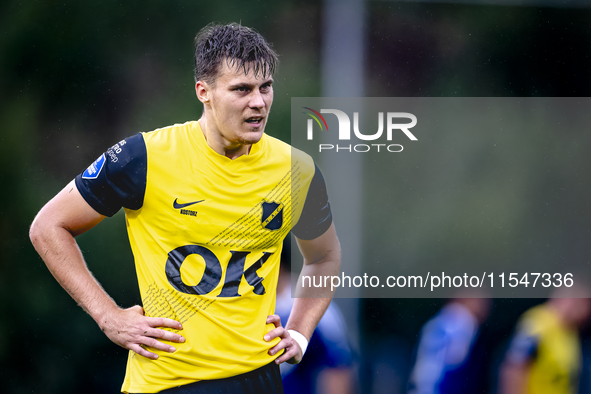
(241, 47)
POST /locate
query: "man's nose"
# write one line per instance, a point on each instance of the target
(256, 99)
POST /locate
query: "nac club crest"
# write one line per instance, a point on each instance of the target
(272, 218)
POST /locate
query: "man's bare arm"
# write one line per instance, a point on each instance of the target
(335, 381)
(52, 233)
(322, 257)
(514, 377)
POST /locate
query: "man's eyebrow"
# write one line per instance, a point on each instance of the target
(241, 85)
(249, 85)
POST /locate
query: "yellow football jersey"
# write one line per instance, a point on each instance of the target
(206, 234)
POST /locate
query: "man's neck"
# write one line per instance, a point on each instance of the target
(221, 146)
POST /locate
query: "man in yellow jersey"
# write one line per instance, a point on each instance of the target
(545, 353)
(208, 204)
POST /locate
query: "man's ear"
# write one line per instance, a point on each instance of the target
(202, 89)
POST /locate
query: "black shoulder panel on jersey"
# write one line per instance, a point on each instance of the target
(117, 178)
(523, 348)
(316, 216)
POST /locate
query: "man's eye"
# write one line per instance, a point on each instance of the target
(242, 89)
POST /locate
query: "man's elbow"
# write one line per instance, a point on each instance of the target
(42, 229)
(337, 251)
(36, 232)
(333, 254)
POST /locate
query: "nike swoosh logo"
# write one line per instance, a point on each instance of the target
(179, 206)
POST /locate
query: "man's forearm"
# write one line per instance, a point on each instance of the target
(307, 310)
(52, 234)
(514, 378)
(310, 303)
(322, 258)
(58, 249)
(305, 315)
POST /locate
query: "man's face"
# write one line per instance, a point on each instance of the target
(239, 106)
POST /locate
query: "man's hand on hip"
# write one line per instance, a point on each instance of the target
(293, 352)
(131, 329)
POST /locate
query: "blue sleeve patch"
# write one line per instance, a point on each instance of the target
(93, 171)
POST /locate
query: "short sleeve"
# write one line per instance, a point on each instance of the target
(316, 215)
(117, 178)
(523, 348)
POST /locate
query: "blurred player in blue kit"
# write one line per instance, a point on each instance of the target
(445, 354)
